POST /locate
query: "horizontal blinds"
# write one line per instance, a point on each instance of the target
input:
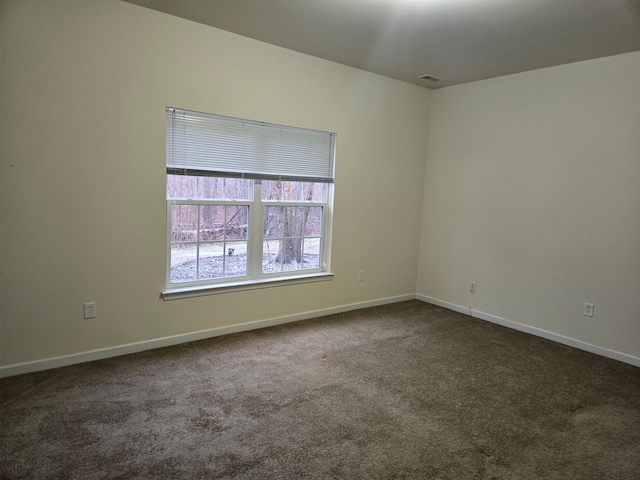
(205, 144)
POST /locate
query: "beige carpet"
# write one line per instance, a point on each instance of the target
(408, 390)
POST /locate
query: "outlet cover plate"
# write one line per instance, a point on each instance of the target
(588, 310)
(90, 310)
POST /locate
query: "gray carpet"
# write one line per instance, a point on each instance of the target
(408, 390)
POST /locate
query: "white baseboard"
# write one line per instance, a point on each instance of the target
(443, 304)
(102, 353)
(99, 354)
(572, 342)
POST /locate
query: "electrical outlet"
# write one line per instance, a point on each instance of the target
(588, 310)
(90, 310)
(472, 287)
(361, 276)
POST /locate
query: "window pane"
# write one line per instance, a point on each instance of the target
(181, 186)
(183, 262)
(314, 191)
(211, 222)
(211, 260)
(219, 188)
(222, 259)
(270, 256)
(271, 190)
(292, 191)
(237, 220)
(211, 188)
(293, 221)
(313, 223)
(237, 189)
(273, 222)
(236, 259)
(275, 190)
(311, 249)
(292, 254)
(184, 223)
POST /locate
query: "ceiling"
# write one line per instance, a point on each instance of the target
(457, 41)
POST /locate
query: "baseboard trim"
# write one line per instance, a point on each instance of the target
(443, 304)
(571, 342)
(102, 353)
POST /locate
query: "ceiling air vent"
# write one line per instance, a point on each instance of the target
(431, 78)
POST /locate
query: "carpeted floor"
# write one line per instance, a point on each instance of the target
(408, 390)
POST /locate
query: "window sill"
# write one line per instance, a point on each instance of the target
(198, 291)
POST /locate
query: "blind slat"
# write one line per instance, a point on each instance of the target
(213, 143)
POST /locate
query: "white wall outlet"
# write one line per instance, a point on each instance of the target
(472, 287)
(361, 276)
(90, 310)
(588, 310)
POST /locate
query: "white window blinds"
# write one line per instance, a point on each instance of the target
(214, 145)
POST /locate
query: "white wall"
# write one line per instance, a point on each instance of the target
(533, 192)
(84, 88)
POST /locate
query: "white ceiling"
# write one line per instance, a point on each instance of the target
(458, 41)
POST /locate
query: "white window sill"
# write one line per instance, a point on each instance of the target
(201, 290)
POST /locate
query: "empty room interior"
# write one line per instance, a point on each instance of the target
(501, 195)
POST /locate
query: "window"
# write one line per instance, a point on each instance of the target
(248, 203)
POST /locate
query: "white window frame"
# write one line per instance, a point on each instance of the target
(255, 278)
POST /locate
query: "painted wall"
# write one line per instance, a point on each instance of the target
(533, 192)
(84, 87)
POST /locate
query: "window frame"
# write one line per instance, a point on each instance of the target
(255, 277)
